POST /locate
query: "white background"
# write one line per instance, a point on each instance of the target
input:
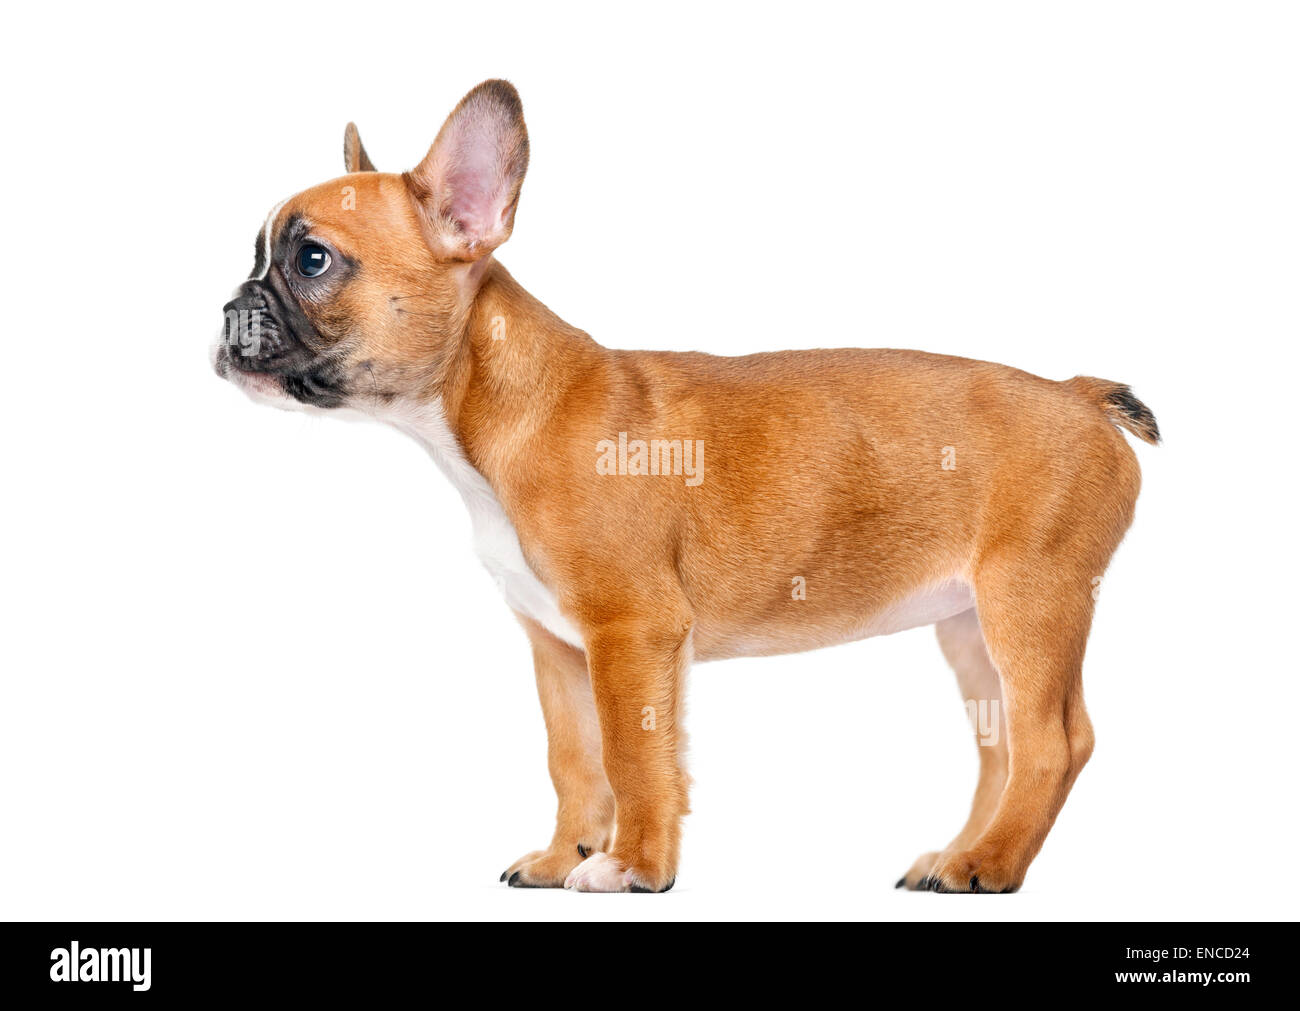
(251, 667)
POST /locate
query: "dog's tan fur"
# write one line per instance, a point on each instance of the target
(877, 477)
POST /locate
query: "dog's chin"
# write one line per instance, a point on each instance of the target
(265, 389)
(259, 387)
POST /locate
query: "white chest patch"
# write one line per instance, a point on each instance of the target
(495, 539)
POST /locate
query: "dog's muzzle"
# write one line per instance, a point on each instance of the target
(254, 333)
(261, 336)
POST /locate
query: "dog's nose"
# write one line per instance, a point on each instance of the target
(247, 296)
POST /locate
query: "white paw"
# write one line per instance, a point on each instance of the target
(600, 872)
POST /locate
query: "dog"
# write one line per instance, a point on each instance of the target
(641, 511)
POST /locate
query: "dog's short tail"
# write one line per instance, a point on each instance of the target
(1118, 403)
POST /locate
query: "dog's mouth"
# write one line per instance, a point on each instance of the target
(317, 386)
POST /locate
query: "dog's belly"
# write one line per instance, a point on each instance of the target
(925, 606)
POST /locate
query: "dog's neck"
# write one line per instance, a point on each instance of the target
(514, 364)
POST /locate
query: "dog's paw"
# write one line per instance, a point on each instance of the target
(918, 875)
(971, 872)
(543, 868)
(602, 872)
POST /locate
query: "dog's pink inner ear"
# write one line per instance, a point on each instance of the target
(475, 187)
(468, 184)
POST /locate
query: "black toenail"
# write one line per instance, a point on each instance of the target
(901, 881)
(513, 878)
(582, 851)
(638, 888)
(975, 883)
(504, 874)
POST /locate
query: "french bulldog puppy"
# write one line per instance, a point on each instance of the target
(641, 511)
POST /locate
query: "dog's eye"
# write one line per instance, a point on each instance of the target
(313, 260)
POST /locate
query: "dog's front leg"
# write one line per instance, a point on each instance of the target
(638, 670)
(585, 819)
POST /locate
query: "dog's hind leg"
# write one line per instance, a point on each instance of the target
(1035, 613)
(962, 643)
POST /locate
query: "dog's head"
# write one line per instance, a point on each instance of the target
(361, 287)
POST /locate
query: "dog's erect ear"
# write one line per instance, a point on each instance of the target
(355, 158)
(467, 187)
